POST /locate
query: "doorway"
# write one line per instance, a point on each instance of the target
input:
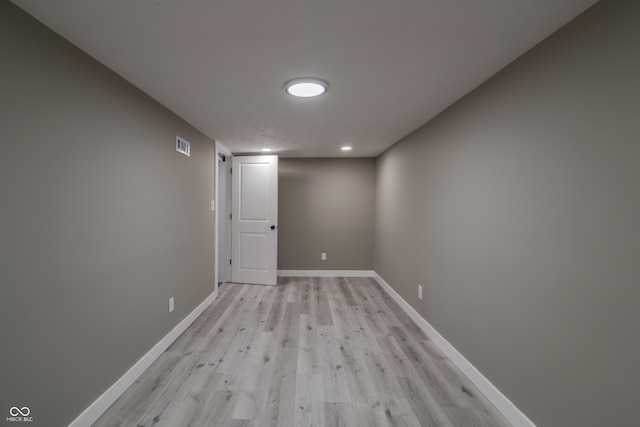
(223, 215)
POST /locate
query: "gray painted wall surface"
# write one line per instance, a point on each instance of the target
(101, 221)
(326, 205)
(518, 209)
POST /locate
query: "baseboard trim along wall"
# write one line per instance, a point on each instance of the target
(325, 273)
(499, 400)
(102, 403)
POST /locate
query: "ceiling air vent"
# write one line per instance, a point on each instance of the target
(183, 146)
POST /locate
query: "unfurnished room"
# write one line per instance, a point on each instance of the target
(331, 213)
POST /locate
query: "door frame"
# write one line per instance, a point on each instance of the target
(221, 150)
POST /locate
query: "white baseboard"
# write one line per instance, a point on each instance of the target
(102, 403)
(326, 273)
(499, 400)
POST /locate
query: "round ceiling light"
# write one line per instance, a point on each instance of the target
(306, 87)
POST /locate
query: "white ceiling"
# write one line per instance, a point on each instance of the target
(221, 64)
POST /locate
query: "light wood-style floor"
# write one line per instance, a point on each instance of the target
(308, 352)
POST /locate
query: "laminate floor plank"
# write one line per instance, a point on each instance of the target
(345, 292)
(399, 414)
(280, 408)
(415, 392)
(292, 283)
(308, 349)
(359, 381)
(261, 313)
(372, 414)
(473, 400)
(277, 308)
(155, 412)
(260, 370)
(219, 409)
(203, 323)
(398, 313)
(445, 395)
(234, 327)
(306, 296)
(424, 406)
(235, 366)
(201, 337)
(338, 415)
(398, 361)
(191, 400)
(374, 315)
(341, 324)
(309, 408)
(290, 325)
(376, 300)
(142, 393)
(427, 372)
(323, 311)
(308, 352)
(334, 378)
(395, 404)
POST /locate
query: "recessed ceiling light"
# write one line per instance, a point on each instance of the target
(346, 148)
(266, 150)
(306, 87)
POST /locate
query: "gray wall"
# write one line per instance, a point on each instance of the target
(101, 221)
(518, 209)
(326, 205)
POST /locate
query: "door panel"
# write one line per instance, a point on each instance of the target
(254, 191)
(253, 250)
(254, 213)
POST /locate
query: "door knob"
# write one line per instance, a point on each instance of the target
(273, 227)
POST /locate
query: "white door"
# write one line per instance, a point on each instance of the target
(254, 214)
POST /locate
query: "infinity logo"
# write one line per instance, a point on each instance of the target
(15, 411)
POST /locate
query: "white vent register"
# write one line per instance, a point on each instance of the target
(183, 146)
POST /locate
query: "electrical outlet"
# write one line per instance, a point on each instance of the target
(323, 256)
(420, 291)
(170, 304)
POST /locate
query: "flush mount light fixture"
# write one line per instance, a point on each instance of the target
(266, 150)
(306, 87)
(346, 148)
